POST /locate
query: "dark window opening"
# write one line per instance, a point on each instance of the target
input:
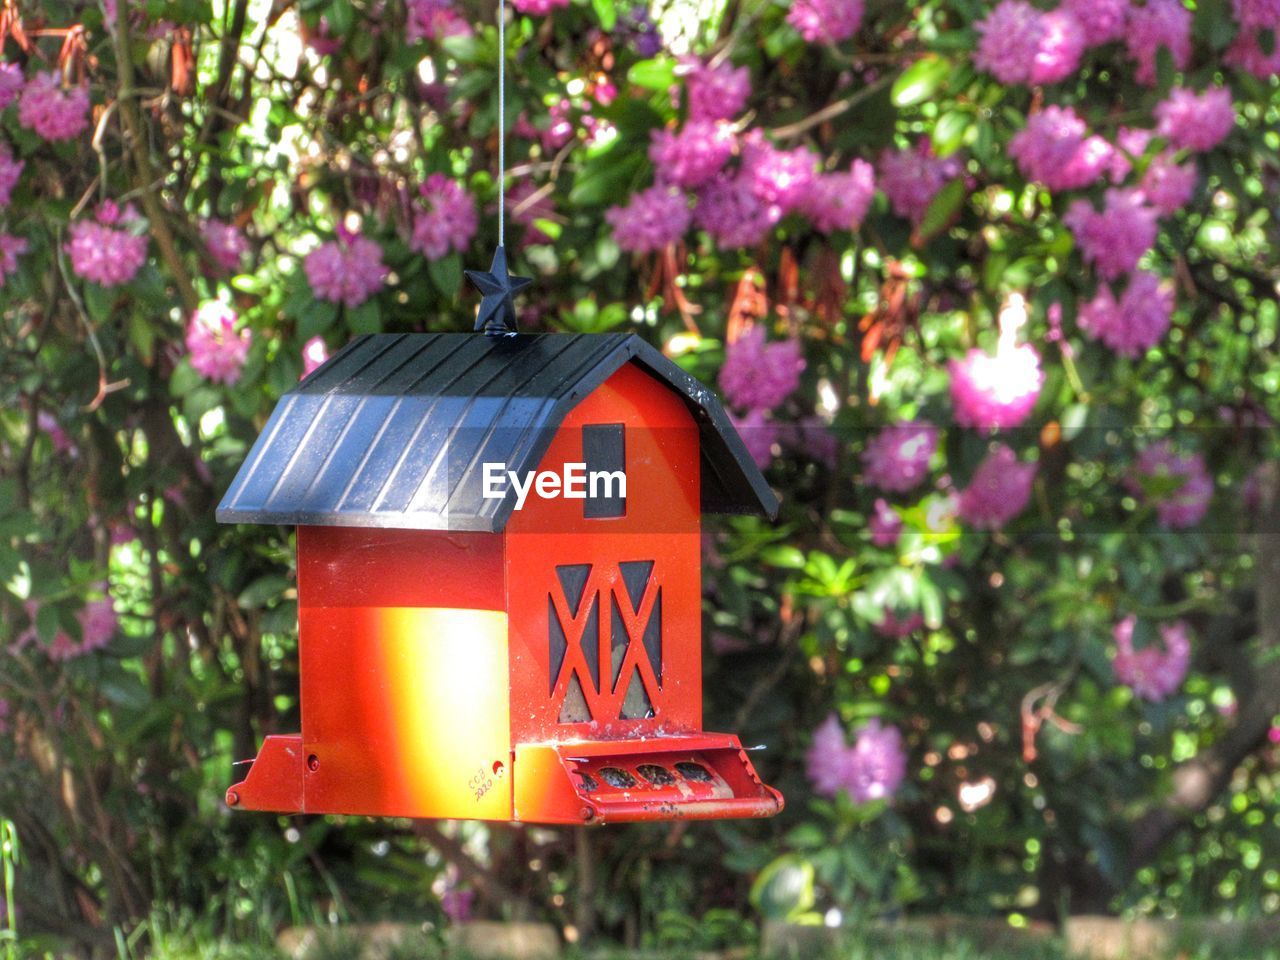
(617, 777)
(658, 776)
(694, 771)
(604, 453)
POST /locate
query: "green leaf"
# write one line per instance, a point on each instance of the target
(317, 317)
(341, 16)
(446, 274)
(784, 888)
(263, 590)
(920, 81)
(99, 301)
(366, 318)
(605, 178)
(783, 555)
(606, 12)
(944, 206)
(656, 74)
(949, 132)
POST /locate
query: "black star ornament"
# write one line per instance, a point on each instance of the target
(497, 314)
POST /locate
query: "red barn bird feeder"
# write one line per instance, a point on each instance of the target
(469, 653)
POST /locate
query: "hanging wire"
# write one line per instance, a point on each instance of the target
(502, 121)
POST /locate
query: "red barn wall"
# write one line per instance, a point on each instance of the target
(661, 526)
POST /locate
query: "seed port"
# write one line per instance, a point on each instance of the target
(589, 784)
(658, 776)
(694, 771)
(617, 777)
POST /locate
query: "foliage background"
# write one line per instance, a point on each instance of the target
(114, 763)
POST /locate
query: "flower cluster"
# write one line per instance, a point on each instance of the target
(434, 20)
(897, 458)
(314, 353)
(1136, 322)
(992, 392)
(448, 220)
(1194, 121)
(11, 247)
(758, 375)
(97, 621)
(998, 491)
(652, 219)
(1168, 185)
(10, 171)
(1154, 672)
(1180, 484)
(873, 768)
(694, 154)
(51, 110)
(348, 270)
(1155, 25)
(226, 244)
(1114, 238)
(840, 201)
(759, 434)
(912, 178)
(216, 349)
(826, 21)
(885, 526)
(107, 254)
(780, 179)
(11, 81)
(538, 8)
(1055, 149)
(716, 92)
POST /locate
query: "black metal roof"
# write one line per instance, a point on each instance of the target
(392, 430)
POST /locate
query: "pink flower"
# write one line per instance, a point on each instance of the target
(1168, 185)
(779, 178)
(538, 8)
(996, 392)
(693, 155)
(1247, 54)
(757, 375)
(825, 21)
(1192, 488)
(885, 525)
(729, 210)
(434, 20)
(314, 353)
(912, 178)
(1101, 20)
(10, 171)
(1262, 14)
(652, 219)
(877, 764)
(1114, 239)
(897, 458)
(759, 434)
(526, 212)
(827, 759)
(62, 442)
(348, 270)
(217, 351)
(1196, 122)
(872, 769)
(717, 93)
(456, 903)
(812, 438)
(998, 491)
(1011, 38)
(1063, 42)
(449, 220)
(225, 243)
(98, 623)
(839, 201)
(1158, 23)
(1055, 150)
(103, 253)
(52, 111)
(11, 82)
(1152, 672)
(559, 130)
(11, 247)
(1135, 324)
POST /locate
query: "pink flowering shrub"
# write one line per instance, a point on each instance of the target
(10, 171)
(1115, 238)
(1137, 321)
(840, 201)
(897, 458)
(826, 21)
(993, 392)
(884, 525)
(348, 270)
(1183, 488)
(1157, 25)
(872, 768)
(718, 92)
(1194, 121)
(11, 247)
(1153, 672)
(998, 491)
(912, 178)
(1055, 149)
(757, 375)
(51, 110)
(217, 350)
(693, 155)
(108, 250)
(654, 218)
(447, 220)
(227, 245)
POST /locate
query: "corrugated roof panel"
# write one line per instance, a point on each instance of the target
(394, 429)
